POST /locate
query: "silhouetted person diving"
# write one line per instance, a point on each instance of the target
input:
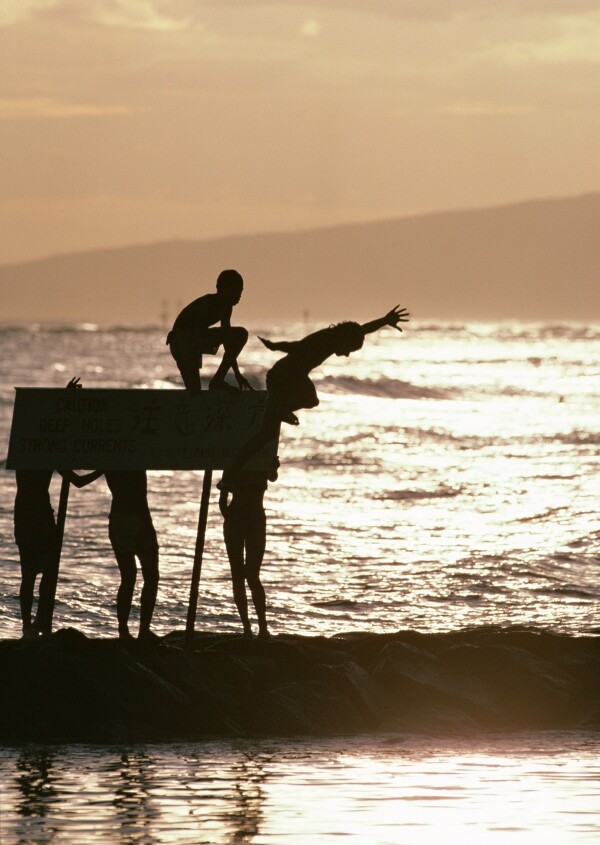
(245, 531)
(289, 387)
(195, 332)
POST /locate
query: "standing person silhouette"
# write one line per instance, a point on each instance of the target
(289, 387)
(36, 536)
(195, 333)
(244, 531)
(132, 534)
(37, 540)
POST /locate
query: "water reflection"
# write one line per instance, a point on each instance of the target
(224, 796)
(243, 820)
(36, 795)
(139, 796)
(192, 795)
(376, 790)
(135, 809)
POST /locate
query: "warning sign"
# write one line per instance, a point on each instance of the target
(133, 429)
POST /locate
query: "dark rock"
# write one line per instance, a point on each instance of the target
(69, 687)
(311, 707)
(359, 688)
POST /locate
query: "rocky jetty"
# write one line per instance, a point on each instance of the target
(71, 688)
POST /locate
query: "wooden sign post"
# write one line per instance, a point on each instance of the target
(52, 575)
(112, 429)
(198, 556)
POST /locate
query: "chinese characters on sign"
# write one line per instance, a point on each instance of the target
(133, 429)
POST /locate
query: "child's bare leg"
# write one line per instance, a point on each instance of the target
(234, 341)
(191, 378)
(41, 622)
(260, 603)
(303, 394)
(255, 550)
(234, 543)
(149, 566)
(26, 602)
(128, 572)
(189, 362)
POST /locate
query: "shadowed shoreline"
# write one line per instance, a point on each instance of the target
(70, 688)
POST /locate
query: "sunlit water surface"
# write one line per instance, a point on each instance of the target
(449, 478)
(389, 790)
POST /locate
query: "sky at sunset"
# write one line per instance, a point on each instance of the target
(131, 121)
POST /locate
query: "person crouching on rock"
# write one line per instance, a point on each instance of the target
(195, 333)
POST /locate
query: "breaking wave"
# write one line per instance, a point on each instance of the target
(385, 388)
(414, 495)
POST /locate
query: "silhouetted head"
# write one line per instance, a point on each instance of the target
(230, 286)
(348, 337)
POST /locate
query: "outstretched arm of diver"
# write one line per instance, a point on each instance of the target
(278, 346)
(392, 318)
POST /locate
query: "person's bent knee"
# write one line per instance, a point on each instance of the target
(237, 336)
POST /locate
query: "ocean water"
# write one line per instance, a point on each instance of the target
(386, 790)
(448, 479)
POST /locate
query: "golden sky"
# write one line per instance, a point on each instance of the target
(129, 121)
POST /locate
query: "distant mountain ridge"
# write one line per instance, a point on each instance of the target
(538, 259)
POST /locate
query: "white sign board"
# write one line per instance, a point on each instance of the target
(134, 429)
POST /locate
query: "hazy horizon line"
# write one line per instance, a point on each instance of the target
(304, 230)
(422, 322)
